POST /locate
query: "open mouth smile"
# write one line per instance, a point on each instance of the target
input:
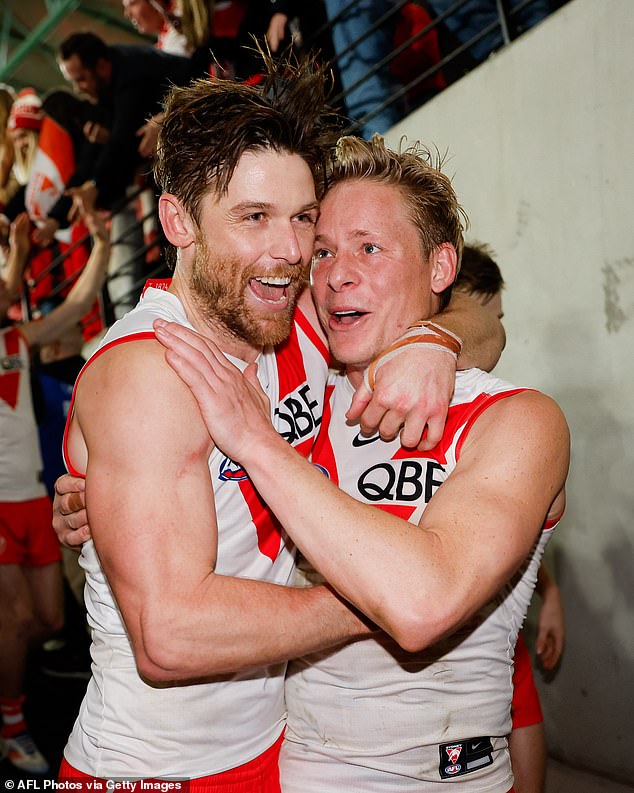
(271, 290)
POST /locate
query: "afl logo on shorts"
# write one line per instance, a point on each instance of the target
(453, 769)
(231, 472)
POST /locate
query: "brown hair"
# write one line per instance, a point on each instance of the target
(479, 272)
(416, 171)
(210, 124)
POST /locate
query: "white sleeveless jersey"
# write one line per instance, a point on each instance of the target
(370, 716)
(129, 729)
(20, 458)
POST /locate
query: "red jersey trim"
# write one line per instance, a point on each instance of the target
(314, 337)
(549, 523)
(491, 400)
(157, 283)
(142, 336)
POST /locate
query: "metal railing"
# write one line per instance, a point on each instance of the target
(133, 266)
(505, 22)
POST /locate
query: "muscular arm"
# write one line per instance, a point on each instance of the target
(417, 583)
(481, 331)
(151, 510)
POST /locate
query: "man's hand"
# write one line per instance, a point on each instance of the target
(45, 232)
(551, 629)
(232, 403)
(19, 236)
(97, 226)
(70, 519)
(276, 31)
(84, 200)
(412, 391)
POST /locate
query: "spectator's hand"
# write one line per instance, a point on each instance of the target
(97, 226)
(276, 31)
(19, 236)
(96, 133)
(45, 232)
(70, 519)
(149, 136)
(551, 627)
(84, 200)
(412, 391)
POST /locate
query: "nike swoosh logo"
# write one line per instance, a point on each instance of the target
(360, 440)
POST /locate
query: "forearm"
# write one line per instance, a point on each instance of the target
(87, 286)
(481, 332)
(77, 303)
(360, 550)
(13, 271)
(229, 625)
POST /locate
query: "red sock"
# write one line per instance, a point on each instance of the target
(12, 716)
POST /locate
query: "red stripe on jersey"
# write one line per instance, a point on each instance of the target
(322, 453)
(290, 365)
(315, 339)
(10, 380)
(133, 337)
(457, 416)
(480, 406)
(550, 523)
(267, 526)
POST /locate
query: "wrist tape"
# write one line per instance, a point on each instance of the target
(424, 332)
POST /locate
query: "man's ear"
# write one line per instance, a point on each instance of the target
(177, 224)
(443, 267)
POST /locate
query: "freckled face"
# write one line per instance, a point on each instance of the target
(369, 278)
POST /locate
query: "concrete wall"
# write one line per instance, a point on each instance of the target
(541, 138)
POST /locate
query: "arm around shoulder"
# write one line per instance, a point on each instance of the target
(482, 333)
(142, 426)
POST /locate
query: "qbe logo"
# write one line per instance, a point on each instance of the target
(401, 480)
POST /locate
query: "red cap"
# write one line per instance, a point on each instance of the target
(26, 112)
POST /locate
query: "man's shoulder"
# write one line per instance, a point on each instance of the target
(503, 410)
(476, 381)
(155, 304)
(127, 360)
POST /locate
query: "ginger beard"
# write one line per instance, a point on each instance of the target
(219, 288)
